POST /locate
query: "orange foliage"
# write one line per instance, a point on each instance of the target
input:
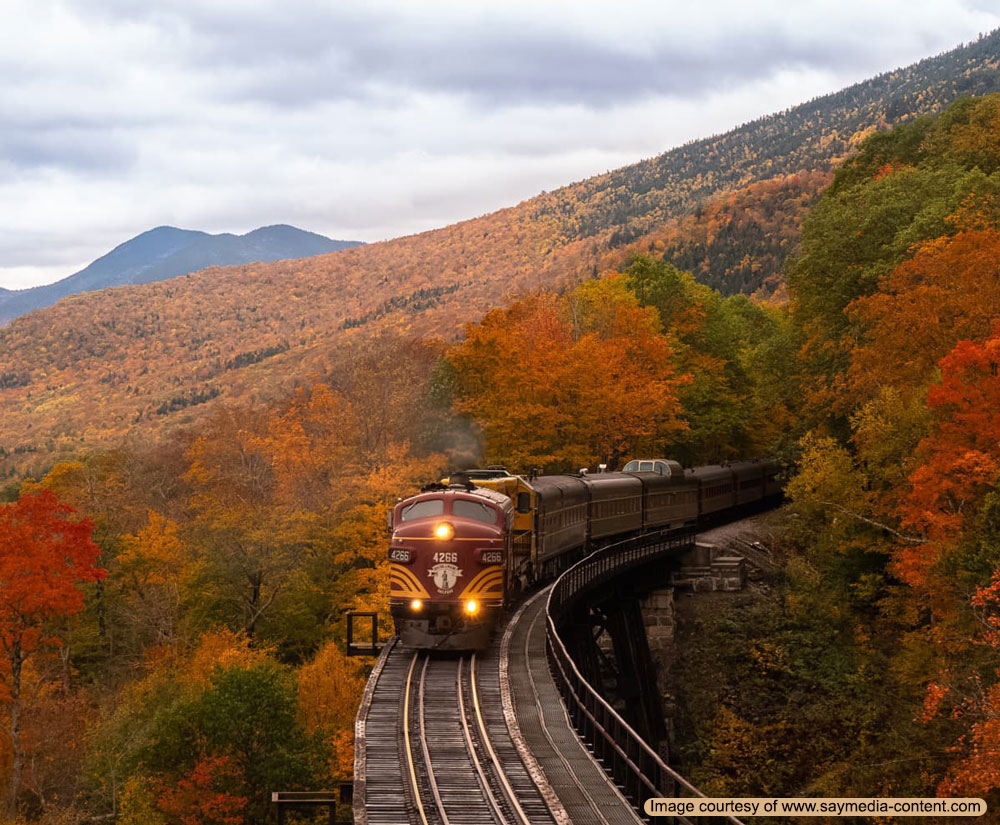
(555, 382)
(219, 648)
(947, 291)
(44, 557)
(987, 600)
(976, 772)
(330, 689)
(311, 442)
(959, 464)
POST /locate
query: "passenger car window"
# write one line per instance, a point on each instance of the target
(473, 509)
(422, 509)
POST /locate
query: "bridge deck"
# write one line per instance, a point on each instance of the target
(583, 788)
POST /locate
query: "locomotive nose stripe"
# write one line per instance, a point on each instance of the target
(402, 582)
(488, 582)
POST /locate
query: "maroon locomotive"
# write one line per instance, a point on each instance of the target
(447, 558)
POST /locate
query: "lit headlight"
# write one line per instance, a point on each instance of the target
(472, 607)
(443, 531)
(416, 605)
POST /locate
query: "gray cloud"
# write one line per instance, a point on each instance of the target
(344, 51)
(371, 119)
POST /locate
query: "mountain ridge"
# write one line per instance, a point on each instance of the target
(166, 252)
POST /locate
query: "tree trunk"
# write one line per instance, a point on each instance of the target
(64, 657)
(16, 660)
(250, 625)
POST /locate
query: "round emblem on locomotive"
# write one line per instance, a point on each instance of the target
(445, 576)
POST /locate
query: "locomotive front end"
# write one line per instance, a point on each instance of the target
(448, 556)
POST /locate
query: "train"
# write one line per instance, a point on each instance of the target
(464, 548)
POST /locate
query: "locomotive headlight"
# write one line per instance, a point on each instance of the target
(416, 605)
(472, 607)
(443, 531)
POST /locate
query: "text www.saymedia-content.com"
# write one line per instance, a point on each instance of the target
(815, 806)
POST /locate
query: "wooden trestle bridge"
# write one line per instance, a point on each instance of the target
(519, 734)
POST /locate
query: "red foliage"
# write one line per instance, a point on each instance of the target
(890, 168)
(959, 464)
(208, 795)
(960, 460)
(44, 555)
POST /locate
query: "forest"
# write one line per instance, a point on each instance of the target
(188, 639)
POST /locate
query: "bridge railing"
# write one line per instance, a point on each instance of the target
(630, 760)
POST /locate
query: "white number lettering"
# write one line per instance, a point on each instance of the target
(445, 557)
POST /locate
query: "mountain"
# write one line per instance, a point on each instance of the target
(148, 358)
(166, 252)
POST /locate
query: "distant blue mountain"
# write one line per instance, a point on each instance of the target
(166, 252)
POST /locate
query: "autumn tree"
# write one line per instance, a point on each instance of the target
(250, 542)
(562, 382)
(945, 292)
(330, 689)
(901, 197)
(959, 461)
(150, 572)
(341, 476)
(123, 728)
(737, 400)
(45, 555)
(209, 794)
(247, 716)
(385, 380)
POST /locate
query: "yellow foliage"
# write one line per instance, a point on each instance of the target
(137, 804)
(221, 648)
(330, 688)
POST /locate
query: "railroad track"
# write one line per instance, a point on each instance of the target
(438, 750)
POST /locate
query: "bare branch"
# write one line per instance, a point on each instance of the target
(873, 523)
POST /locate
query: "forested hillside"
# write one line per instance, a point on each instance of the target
(95, 366)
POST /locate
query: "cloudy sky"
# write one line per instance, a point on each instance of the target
(368, 120)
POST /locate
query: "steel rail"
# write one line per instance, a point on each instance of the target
(428, 764)
(361, 735)
(471, 748)
(500, 772)
(414, 783)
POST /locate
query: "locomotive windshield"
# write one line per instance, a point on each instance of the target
(473, 509)
(422, 509)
